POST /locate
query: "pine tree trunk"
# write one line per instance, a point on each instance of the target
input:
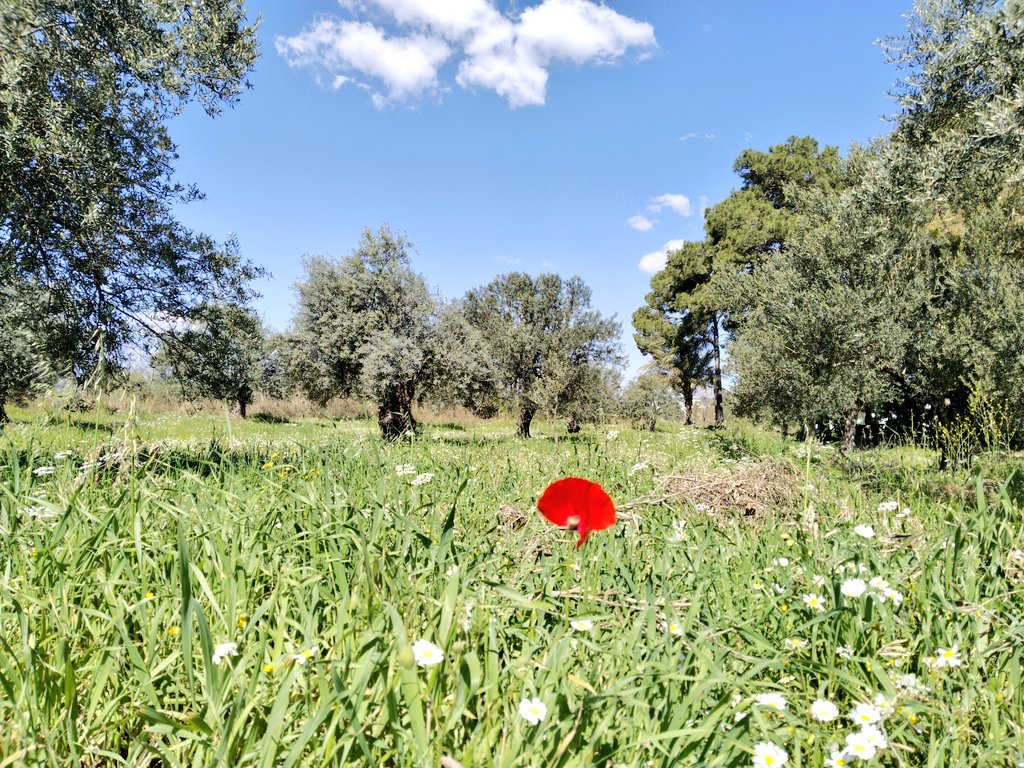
(242, 405)
(717, 380)
(524, 421)
(394, 414)
(3, 413)
(688, 403)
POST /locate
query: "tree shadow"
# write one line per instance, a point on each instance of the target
(268, 418)
(446, 425)
(82, 423)
(577, 439)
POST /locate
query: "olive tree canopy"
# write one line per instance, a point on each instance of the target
(545, 344)
(368, 326)
(86, 166)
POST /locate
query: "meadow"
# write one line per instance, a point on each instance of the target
(206, 592)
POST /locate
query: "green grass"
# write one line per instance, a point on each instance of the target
(120, 580)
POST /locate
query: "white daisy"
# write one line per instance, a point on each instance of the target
(426, 653)
(824, 710)
(853, 587)
(768, 755)
(533, 710)
(772, 700)
(223, 650)
(864, 531)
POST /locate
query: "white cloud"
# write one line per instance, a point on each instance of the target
(496, 61)
(697, 135)
(451, 18)
(678, 203)
(641, 223)
(580, 31)
(510, 55)
(653, 262)
(406, 65)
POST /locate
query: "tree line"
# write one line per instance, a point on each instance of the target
(367, 327)
(844, 295)
(94, 264)
(880, 292)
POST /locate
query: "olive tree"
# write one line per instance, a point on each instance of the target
(367, 326)
(648, 398)
(87, 191)
(545, 344)
(220, 355)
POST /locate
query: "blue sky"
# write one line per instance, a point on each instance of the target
(542, 135)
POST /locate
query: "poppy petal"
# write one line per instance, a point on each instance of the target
(564, 500)
(600, 509)
(577, 503)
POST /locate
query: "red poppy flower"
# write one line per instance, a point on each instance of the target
(578, 504)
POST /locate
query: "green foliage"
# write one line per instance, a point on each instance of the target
(696, 292)
(830, 321)
(678, 326)
(219, 356)
(364, 326)
(22, 366)
(275, 375)
(894, 282)
(754, 222)
(86, 187)
(962, 105)
(461, 369)
(367, 326)
(545, 344)
(648, 399)
(581, 394)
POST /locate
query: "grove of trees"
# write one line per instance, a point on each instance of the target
(883, 288)
(367, 326)
(548, 348)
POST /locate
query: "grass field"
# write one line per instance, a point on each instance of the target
(199, 592)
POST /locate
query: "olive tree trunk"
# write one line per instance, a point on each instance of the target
(525, 418)
(244, 398)
(394, 415)
(850, 431)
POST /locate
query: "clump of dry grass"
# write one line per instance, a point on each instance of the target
(752, 488)
(511, 517)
